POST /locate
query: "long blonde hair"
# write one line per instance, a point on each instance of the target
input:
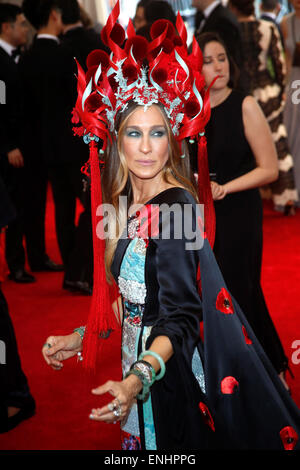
(116, 181)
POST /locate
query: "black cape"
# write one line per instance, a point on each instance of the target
(245, 404)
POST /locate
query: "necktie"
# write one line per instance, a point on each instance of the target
(202, 23)
(200, 20)
(16, 53)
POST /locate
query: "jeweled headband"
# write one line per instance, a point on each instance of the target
(144, 72)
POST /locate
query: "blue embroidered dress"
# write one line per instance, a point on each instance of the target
(132, 286)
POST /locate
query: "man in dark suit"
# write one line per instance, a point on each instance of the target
(48, 73)
(269, 12)
(78, 41)
(37, 96)
(219, 19)
(14, 29)
(13, 34)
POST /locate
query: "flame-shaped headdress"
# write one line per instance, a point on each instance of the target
(172, 77)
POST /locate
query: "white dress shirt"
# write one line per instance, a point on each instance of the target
(48, 36)
(8, 48)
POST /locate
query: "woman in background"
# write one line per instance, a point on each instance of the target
(291, 33)
(263, 76)
(242, 157)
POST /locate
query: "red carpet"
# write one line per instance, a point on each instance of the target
(64, 399)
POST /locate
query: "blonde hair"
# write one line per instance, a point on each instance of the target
(116, 181)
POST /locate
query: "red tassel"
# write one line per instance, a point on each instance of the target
(204, 189)
(101, 320)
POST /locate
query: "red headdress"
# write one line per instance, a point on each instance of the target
(173, 77)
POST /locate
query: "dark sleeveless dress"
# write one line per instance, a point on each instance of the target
(239, 216)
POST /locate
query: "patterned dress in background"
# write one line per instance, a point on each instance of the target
(264, 77)
(292, 109)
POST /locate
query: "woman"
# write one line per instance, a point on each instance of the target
(156, 176)
(174, 394)
(263, 76)
(162, 309)
(242, 157)
(291, 33)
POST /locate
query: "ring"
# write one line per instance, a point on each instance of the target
(117, 412)
(48, 345)
(112, 406)
(119, 402)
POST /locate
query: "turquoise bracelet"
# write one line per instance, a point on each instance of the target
(158, 358)
(80, 331)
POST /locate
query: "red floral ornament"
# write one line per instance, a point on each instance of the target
(229, 385)
(90, 74)
(139, 46)
(224, 302)
(177, 41)
(117, 35)
(130, 72)
(201, 227)
(97, 57)
(247, 339)
(206, 416)
(168, 46)
(93, 102)
(160, 75)
(113, 83)
(192, 107)
(148, 221)
(159, 26)
(289, 437)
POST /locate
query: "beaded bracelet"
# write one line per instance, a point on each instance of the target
(146, 387)
(80, 331)
(158, 358)
(147, 369)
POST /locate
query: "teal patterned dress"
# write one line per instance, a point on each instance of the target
(132, 287)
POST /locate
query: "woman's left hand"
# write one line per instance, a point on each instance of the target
(218, 191)
(124, 394)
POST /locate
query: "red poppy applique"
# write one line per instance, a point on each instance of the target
(148, 218)
(247, 339)
(224, 303)
(207, 416)
(229, 385)
(201, 227)
(289, 437)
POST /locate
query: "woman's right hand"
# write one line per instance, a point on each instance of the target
(59, 348)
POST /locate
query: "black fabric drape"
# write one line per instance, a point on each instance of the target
(257, 408)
